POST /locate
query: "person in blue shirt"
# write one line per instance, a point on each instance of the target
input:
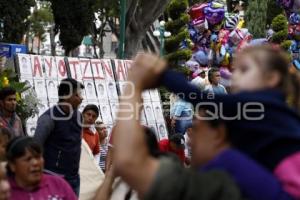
(214, 78)
(181, 115)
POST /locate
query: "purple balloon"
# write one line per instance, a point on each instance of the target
(286, 4)
(214, 16)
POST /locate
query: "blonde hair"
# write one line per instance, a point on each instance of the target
(271, 58)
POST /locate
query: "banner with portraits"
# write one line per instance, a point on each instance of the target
(104, 81)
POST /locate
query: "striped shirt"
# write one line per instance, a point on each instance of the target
(103, 154)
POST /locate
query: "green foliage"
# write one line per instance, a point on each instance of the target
(176, 8)
(273, 11)
(108, 8)
(14, 15)
(74, 19)
(38, 19)
(280, 27)
(174, 42)
(177, 26)
(179, 23)
(11, 77)
(256, 17)
(279, 36)
(27, 106)
(184, 54)
(279, 23)
(286, 45)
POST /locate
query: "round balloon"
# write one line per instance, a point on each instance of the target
(201, 57)
(214, 16)
(223, 36)
(200, 25)
(286, 4)
(294, 18)
(231, 22)
(196, 12)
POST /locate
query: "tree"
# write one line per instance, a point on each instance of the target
(39, 19)
(256, 17)
(177, 26)
(14, 15)
(107, 13)
(280, 36)
(73, 20)
(273, 11)
(140, 16)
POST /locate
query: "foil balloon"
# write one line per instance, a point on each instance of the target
(286, 4)
(196, 12)
(294, 18)
(216, 4)
(231, 22)
(241, 24)
(214, 15)
(200, 25)
(192, 65)
(223, 36)
(294, 31)
(226, 60)
(236, 36)
(201, 57)
(296, 64)
(225, 76)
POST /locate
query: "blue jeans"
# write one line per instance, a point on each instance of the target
(74, 183)
(183, 122)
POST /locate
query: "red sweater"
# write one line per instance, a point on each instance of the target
(92, 139)
(164, 146)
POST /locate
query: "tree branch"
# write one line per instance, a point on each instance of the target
(153, 9)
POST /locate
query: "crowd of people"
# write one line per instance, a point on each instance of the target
(241, 142)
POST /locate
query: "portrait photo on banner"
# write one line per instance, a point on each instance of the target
(114, 109)
(158, 112)
(90, 90)
(102, 93)
(162, 131)
(40, 88)
(149, 112)
(52, 88)
(112, 90)
(106, 113)
(23, 66)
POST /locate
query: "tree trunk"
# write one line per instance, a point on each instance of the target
(101, 49)
(39, 45)
(27, 41)
(32, 40)
(133, 44)
(52, 41)
(95, 50)
(139, 18)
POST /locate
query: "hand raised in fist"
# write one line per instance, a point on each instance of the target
(146, 70)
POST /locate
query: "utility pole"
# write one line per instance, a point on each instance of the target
(122, 29)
